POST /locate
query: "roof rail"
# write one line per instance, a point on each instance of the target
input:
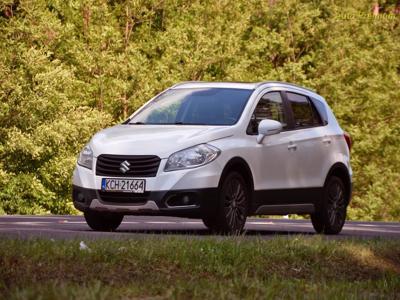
(258, 84)
(287, 83)
(201, 81)
(184, 82)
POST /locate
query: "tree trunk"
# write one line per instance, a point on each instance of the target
(86, 19)
(375, 9)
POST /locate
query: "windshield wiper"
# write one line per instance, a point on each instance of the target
(182, 123)
(175, 123)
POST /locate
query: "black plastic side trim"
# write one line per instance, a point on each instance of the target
(285, 209)
(312, 195)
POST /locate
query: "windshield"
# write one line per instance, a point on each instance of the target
(203, 106)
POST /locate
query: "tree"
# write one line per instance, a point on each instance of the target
(70, 68)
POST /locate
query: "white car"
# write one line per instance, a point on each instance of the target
(219, 151)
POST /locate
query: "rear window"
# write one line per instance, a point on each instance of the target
(304, 112)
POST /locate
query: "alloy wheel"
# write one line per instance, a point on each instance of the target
(235, 204)
(336, 206)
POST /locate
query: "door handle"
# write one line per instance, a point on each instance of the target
(292, 146)
(326, 140)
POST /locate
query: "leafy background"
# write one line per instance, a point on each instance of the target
(69, 68)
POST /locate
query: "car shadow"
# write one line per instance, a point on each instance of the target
(206, 232)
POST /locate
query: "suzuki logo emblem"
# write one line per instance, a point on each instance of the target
(124, 166)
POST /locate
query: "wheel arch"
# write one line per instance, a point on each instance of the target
(240, 165)
(340, 170)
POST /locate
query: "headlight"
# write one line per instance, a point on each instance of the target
(85, 158)
(192, 157)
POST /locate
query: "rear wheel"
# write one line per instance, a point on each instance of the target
(232, 210)
(100, 221)
(331, 216)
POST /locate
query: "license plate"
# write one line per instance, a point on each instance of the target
(123, 185)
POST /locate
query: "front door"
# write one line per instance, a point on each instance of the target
(271, 167)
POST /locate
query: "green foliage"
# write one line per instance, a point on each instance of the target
(70, 68)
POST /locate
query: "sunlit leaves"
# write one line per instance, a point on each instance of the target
(70, 68)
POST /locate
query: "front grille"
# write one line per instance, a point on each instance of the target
(120, 197)
(139, 165)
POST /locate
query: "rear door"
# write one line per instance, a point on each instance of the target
(308, 145)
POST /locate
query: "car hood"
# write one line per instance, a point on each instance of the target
(160, 140)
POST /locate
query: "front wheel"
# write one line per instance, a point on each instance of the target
(233, 201)
(330, 217)
(100, 221)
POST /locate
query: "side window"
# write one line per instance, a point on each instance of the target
(316, 116)
(321, 111)
(270, 107)
(304, 113)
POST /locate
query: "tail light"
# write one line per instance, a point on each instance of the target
(349, 142)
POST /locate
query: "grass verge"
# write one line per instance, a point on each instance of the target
(210, 268)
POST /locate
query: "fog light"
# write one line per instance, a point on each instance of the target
(189, 199)
(185, 200)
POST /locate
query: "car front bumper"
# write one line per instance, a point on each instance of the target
(168, 203)
(177, 193)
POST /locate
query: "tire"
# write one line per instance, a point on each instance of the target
(99, 221)
(210, 222)
(331, 216)
(232, 209)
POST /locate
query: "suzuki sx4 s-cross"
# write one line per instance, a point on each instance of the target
(220, 152)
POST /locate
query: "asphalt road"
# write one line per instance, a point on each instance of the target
(139, 227)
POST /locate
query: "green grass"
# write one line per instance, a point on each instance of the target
(209, 268)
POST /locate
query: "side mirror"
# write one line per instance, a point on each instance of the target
(268, 127)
